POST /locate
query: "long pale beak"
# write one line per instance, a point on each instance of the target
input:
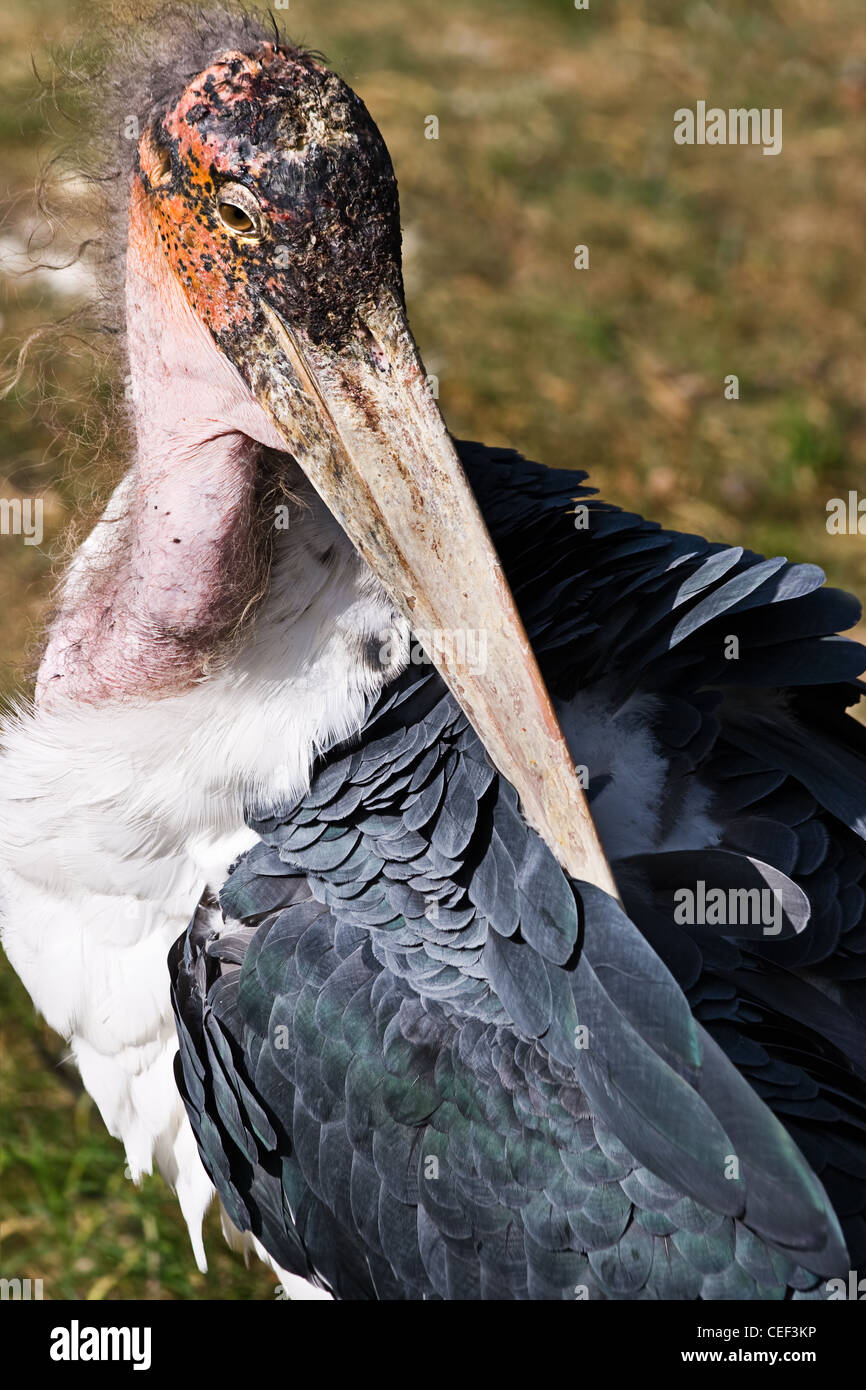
(363, 425)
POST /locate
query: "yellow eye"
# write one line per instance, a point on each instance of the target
(239, 212)
(235, 218)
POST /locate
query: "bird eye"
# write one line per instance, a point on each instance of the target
(239, 212)
(235, 218)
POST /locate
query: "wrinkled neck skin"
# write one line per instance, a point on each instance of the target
(223, 648)
(185, 560)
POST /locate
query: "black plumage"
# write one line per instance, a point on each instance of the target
(422, 1063)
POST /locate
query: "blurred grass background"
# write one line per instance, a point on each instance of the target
(555, 128)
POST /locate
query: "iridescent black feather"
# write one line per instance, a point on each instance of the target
(421, 1063)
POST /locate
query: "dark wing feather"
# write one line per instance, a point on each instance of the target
(442, 1070)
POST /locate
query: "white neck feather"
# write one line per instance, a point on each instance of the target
(114, 817)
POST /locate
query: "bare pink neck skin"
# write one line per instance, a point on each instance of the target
(175, 574)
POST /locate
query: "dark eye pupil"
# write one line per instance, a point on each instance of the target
(235, 218)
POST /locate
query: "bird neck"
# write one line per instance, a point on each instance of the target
(169, 583)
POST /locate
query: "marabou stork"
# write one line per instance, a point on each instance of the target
(430, 1044)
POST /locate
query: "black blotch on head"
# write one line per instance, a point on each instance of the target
(330, 200)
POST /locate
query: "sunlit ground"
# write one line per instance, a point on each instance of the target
(555, 129)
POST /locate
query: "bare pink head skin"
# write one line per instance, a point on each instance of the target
(265, 313)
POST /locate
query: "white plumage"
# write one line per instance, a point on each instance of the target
(114, 818)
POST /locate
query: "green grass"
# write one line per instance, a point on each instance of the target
(68, 1214)
(555, 129)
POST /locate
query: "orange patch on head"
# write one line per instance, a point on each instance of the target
(228, 82)
(267, 179)
(201, 252)
(196, 256)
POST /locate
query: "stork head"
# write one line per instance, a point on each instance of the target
(264, 226)
(271, 187)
